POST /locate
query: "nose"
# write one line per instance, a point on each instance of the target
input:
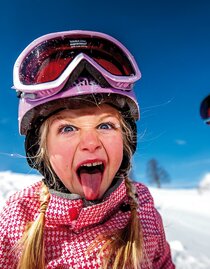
(89, 140)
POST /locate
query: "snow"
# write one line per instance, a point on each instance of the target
(205, 183)
(185, 213)
(186, 216)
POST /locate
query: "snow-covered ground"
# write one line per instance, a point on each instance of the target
(186, 216)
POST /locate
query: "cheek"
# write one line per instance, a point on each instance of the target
(115, 150)
(59, 164)
(60, 159)
(119, 152)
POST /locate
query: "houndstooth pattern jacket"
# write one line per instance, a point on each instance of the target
(71, 226)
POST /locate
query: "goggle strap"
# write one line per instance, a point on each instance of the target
(26, 95)
(21, 95)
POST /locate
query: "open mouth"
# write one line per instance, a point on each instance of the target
(90, 175)
(90, 168)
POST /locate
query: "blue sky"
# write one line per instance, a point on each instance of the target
(171, 43)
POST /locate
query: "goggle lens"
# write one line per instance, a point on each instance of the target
(47, 61)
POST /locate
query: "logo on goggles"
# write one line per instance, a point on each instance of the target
(78, 43)
(87, 81)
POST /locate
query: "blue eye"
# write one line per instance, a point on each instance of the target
(106, 126)
(68, 129)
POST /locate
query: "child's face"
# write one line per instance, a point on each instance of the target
(85, 149)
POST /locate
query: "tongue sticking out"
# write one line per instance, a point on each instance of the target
(91, 183)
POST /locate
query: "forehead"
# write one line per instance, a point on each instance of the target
(103, 110)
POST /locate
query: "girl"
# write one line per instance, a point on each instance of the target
(78, 112)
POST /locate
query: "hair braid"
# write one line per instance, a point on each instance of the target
(31, 244)
(135, 232)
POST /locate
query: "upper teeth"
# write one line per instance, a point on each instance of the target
(92, 164)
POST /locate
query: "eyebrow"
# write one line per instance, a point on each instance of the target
(60, 117)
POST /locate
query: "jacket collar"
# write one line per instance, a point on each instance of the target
(75, 212)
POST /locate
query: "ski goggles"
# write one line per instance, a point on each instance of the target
(205, 110)
(45, 66)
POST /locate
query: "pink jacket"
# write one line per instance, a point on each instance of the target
(71, 227)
